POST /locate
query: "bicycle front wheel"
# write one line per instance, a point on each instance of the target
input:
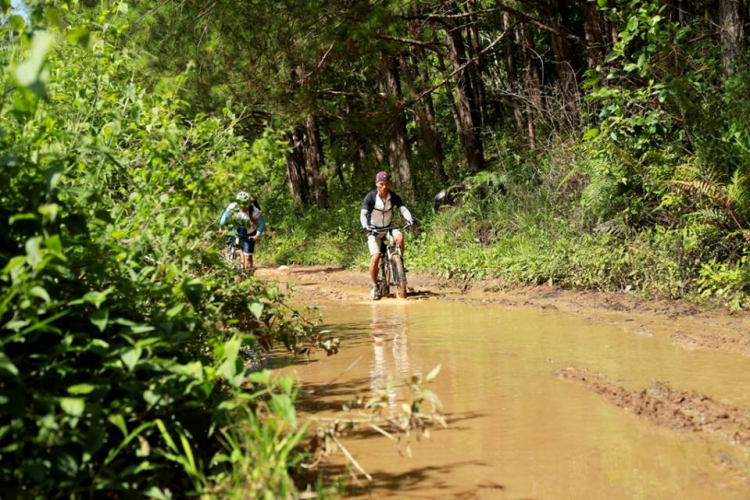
(384, 283)
(399, 276)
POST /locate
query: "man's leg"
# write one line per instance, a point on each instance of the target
(399, 239)
(247, 261)
(248, 247)
(373, 244)
(374, 262)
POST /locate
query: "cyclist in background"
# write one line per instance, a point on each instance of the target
(377, 213)
(246, 216)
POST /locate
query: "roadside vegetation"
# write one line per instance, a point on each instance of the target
(122, 370)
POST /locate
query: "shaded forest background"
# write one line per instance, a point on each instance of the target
(591, 144)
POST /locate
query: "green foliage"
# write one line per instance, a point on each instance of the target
(121, 366)
(729, 282)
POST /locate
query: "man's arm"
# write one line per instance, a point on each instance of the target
(225, 215)
(406, 214)
(367, 205)
(261, 225)
(396, 200)
(364, 219)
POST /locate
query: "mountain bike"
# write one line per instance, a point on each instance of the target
(391, 269)
(232, 249)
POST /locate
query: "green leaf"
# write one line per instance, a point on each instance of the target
(53, 175)
(119, 421)
(40, 292)
(256, 307)
(15, 262)
(18, 23)
(29, 72)
(282, 405)
(33, 251)
(66, 464)
(73, 406)
(131, 357)
(80, 36)
(434, 373)
(100, 319)
(97, 346)
(591, 134)
(80, 389)
(97, 298)
(141, 328)
(632, 24)
(6, 365)
(49, 210)
(165, 435)
(175, 310)
(95, 439)
(229, 367)
(158, 494)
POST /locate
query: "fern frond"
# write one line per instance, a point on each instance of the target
(713, 191)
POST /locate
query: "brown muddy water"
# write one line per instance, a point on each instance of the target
(516, 429)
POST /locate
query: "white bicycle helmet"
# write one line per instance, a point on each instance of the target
(242, 196)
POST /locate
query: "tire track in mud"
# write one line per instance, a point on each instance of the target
(680, 411)
(713, 341)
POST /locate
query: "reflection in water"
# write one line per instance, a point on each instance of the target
(388, 328)
(516, 430)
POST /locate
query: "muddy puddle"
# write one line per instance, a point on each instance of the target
(541, 404)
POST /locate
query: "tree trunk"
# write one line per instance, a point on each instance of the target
(731, 33)
(449, 93)
(565, 64)
(477, 67)
(532, 82)
(315, 161)
(469, 131)
(295, 169)
(424, 113)
(395, 134)
(515, 89)
(596, 47)
(356, 144)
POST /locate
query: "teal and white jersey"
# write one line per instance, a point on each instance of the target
(238, 217)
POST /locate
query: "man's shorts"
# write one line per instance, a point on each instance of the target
(374, 242)
(246, 240)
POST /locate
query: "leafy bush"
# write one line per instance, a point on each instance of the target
(120, 349)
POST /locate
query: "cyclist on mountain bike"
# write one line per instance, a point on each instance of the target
(377, 213)
(246, 215)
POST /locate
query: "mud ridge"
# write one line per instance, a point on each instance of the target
(679, 411)
(716, 342)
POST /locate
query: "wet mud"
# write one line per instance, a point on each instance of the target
(681, 411)
(661, 409)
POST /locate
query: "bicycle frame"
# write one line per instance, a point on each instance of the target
(389, 273)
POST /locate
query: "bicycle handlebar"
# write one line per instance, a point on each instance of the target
(378, 230)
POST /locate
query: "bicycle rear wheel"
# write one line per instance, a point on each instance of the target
(399, 278)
